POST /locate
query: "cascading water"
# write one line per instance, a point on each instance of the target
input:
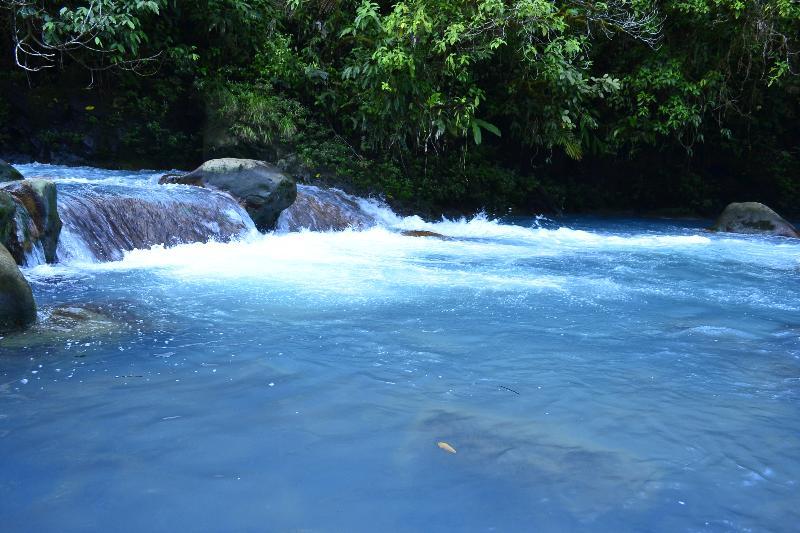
(109, 222)
(592, 375)
(109, 213)
(318, 209)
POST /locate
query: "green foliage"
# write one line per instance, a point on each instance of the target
(256, 115)
(448, 101)
(420, 76)
(97, 34)
(712, 82)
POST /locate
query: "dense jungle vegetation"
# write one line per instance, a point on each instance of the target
(440, 105)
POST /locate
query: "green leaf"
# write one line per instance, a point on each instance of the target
(476, 132)
(491, 128)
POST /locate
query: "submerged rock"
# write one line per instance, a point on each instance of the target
(39, 224)
(17, 307)
(9, 173)
(260, 188)
(72, 323)
(318, 209)
(578, 474)
(753, 218)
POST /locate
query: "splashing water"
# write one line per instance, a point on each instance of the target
(318, 209)
(604, 375)
(107, 213)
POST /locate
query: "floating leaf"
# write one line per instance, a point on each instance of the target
(89, 108)
(446, 447)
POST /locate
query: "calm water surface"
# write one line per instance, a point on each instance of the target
(591, 374)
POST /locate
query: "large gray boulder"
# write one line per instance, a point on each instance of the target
(29, 217)
(259, 187)
(753, 218)
(9, 173)
(17, 307)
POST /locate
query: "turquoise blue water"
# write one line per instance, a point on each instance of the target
(603, 375)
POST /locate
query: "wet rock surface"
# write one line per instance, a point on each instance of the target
(424, 233)
(318, 209)
(109, 223)
(40, 224)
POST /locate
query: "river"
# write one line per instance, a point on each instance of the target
(591, 374)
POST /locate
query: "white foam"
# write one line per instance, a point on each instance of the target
(478, 249)
(67, 174)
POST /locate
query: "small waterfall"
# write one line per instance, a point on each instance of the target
(102, 223)
(106, 213)
(317, 209)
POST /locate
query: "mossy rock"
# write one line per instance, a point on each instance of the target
(17, 306)
(8, 208)
(9, 173)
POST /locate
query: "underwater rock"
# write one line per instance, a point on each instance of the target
(582, 476)
(72, 323)
(9, 173)
(753, 218)
(17, 307)
(259, 187)
(318, 209)
(41, 223)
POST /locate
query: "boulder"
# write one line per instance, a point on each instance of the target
(9, 173)
(36, 218)
(17, 307)
(259, 187)
(753, 217)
